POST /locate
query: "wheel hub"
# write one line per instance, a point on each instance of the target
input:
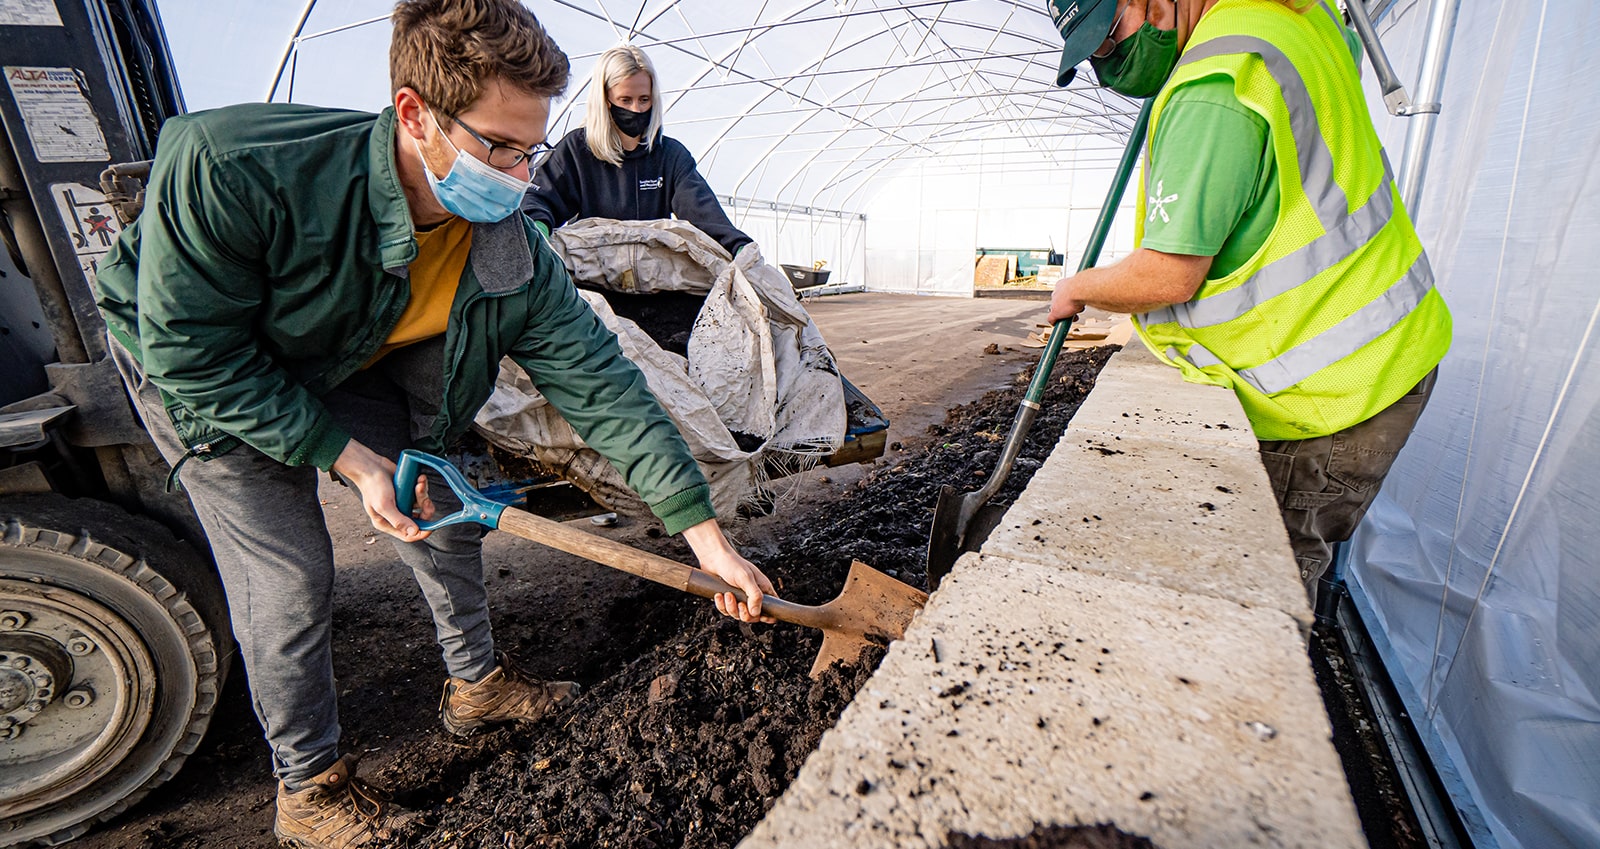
(70, 708)
(34, 669)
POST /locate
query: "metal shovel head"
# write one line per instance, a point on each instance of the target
(872, 609)
(951, 516)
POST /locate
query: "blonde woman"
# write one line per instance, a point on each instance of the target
(619, 165)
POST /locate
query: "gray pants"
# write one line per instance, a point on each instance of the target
(266, 529)
(1325, 485)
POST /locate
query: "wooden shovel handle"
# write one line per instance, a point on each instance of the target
(649, 566)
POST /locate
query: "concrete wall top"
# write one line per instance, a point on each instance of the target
(1127, 648)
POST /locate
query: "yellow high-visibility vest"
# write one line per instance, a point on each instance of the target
(1336, 315)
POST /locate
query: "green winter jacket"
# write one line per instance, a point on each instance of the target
(270, 264)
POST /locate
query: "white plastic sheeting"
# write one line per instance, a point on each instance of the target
(1479, 566)
(926, 223)
(757, 364)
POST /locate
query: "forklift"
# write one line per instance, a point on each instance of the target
(114, 635)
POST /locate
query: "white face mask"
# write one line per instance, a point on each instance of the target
(474, 189)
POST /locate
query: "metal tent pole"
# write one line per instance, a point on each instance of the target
(1430, 82)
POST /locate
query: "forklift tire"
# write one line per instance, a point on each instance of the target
(114, 646)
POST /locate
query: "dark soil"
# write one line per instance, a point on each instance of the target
(1056, 837)
(1381, 801)
(666, 317)
(691, 743)
(894, 511)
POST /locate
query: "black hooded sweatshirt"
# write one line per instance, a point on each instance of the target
(650, 184)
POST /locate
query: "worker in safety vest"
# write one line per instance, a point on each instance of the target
(1274, 256)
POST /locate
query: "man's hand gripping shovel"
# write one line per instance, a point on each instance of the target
(873, 608)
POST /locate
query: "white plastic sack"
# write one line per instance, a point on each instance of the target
(757, 364)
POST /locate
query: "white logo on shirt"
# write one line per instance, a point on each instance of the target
(1158, 204)
(647, 185)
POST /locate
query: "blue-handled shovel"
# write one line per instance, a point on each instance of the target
(953, 528)
(872, 607)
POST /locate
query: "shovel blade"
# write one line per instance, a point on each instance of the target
(950, 519)
(872, 609)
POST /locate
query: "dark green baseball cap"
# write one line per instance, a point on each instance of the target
(1084, 25)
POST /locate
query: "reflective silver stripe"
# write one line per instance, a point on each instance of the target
(1199, 355)
(1333, 344)
(1160, 316)
(1288, 272)
(1311, 149)
(1346, 337)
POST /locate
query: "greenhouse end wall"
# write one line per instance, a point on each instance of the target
(926, 223)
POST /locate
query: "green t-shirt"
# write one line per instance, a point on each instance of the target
(1212, 181)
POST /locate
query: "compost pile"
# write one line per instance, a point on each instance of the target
(893, 514)
(694, 740)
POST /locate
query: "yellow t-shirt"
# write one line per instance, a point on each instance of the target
(435, 273)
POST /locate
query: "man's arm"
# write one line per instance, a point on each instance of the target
(580, 368)
(1139, 282)
(1208, 167)
(200, 285)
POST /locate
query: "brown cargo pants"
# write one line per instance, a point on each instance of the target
(1325, 485)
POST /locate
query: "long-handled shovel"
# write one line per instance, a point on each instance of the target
(872, 607)
(953, 516)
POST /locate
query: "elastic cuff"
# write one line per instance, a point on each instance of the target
(322, 447)
(684, 510)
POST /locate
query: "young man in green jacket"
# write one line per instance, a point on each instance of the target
(1274, 256)
(317, 289)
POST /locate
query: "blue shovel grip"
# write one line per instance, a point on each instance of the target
(474, 506)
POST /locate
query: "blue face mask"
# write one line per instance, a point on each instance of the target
(473, 189)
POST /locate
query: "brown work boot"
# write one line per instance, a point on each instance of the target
(335, 811)
(504, 695)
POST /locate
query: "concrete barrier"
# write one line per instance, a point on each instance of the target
(1127, 648)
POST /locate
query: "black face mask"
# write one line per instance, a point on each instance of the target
(631, 123)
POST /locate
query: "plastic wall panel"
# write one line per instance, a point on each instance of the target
(1479, 561)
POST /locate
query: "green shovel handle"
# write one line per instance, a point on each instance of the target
(1091, 255)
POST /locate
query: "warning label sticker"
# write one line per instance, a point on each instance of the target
(29, 13)
(90, 222)
(60, 122)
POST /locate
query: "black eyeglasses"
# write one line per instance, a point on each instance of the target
(505, 156)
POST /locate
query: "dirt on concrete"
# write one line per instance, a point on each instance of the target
(1103, 836)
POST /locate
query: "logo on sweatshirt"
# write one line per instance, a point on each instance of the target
(651, 185)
